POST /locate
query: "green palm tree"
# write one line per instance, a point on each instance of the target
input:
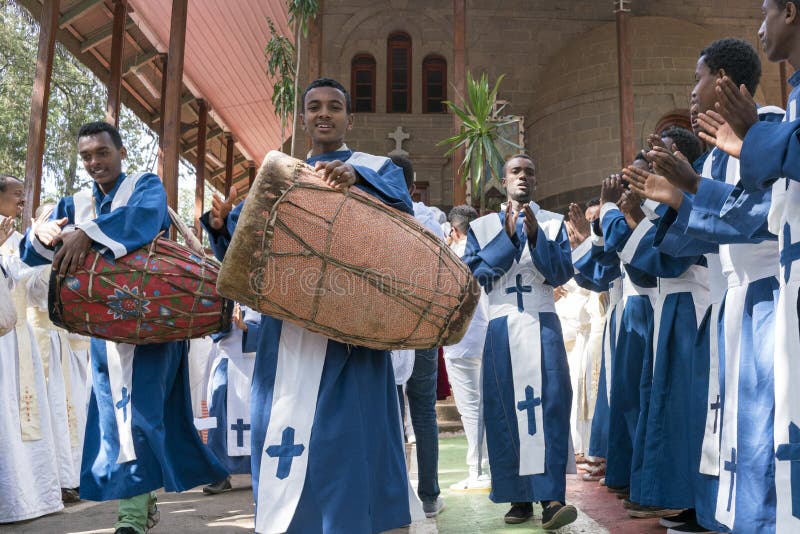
(478, 133)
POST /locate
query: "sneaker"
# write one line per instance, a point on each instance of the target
(153, 515)
(691, 526)
(627, 503)
(125, 530)
(69, 495)
(557, 515)
(481, 484)
(218, 487)
(519, 513)
(602, 481)
(670, 521)
(433, 508)
(640, 511)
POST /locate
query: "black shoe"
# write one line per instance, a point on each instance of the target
(69, 495)
(558, 515)
(690, 527)
(686, 516)
(218, 487)
(125, 530)
(519, 513)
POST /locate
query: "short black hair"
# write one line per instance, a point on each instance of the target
(98, 127)
(520, 155)
(408, 169)
(737, 58)
(592, 202)
(5, 179)
(327, 82)
(461, 216)
(687, 142)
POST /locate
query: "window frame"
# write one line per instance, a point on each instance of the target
(441, 66)
(405, 43)
(356, 68)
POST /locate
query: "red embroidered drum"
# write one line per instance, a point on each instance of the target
(159, 293)
(344, 264)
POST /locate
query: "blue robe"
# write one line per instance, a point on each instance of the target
(632, 370)
(598, 270)
(218, 408)
(551, 258)
(727, 214)
(666, 467)
(169, 452)
(356, 479)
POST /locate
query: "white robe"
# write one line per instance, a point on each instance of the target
(29, 480)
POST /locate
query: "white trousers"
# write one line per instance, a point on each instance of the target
(465, 380)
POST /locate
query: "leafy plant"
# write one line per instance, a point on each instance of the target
(478, 132)
(283, 61)
(280, 58)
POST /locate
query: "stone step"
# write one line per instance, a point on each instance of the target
(450, 427)
(446, 411)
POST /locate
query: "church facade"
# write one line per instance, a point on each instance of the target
(561, 79)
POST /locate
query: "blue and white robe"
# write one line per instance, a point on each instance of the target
(769, 153)
(327, 446)
(632, 370)
(666, 469)
(229, 394)
(705, 406)
(526, 385)
(599, 271)
(139, 430)
(722, 212)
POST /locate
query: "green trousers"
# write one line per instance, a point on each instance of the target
(133, 512)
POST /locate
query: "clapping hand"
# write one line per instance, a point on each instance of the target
(653, 186)
(220, 208)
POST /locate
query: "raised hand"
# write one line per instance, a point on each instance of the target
(630, 206)
(6, 229)
(531, 225)
(48, 232)
(653, 186)
(220, 208)
(678, 171)
(337, 174)
(716, 131)
(654, 140)
(736, 105)
(611, 189)
(510, 222)
(579, 222)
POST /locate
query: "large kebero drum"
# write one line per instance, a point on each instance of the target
(344, 264)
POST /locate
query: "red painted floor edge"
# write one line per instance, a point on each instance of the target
(604, 507)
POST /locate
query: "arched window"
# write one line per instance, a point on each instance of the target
(362, 83)
(398, 83)
(676, 117)
(434, 84)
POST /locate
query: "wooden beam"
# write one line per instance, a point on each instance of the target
(115, 74)
(622, 10)
(172, 98)
(238, 160)
(251, 170)
(459, 81)
(229, 146)
(39, 104)
(139, 61)
(200, 166)
(75, 12)
(101, 35)
(160, 123)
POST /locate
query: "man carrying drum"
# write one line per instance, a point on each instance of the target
(519, 255)
(327, 449)
(139, 432)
